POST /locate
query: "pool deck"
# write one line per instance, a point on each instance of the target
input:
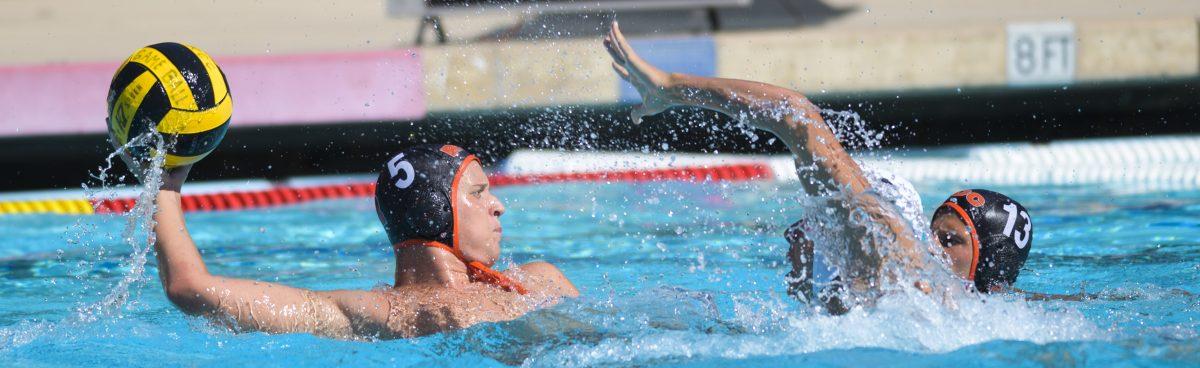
(878, 45)
(81, 30)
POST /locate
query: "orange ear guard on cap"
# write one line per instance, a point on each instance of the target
(478, 271)
(1001, 231)
(458, 174)
(974, 236)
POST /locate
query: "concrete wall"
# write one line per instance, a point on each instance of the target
(279, 90)
(490, 76)
(950, 57)
(40, 31)
(307, 61)
(825, 60)
(1125, 49)
(517, 74)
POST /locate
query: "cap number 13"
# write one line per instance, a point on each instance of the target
(1010, 226)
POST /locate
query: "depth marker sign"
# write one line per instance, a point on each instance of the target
(1041, 53)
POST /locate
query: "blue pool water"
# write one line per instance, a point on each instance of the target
(671, 274)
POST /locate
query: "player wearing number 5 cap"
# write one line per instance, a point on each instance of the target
(434, 202)
(444, 226)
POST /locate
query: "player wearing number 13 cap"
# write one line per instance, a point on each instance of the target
(864, 218)
(986, 237)
(991, 244)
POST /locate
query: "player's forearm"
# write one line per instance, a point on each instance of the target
(253, 305)
(179, 261)
(250, 305)
(821, 161)
(759, 104)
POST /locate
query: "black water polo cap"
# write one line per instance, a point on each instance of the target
(1001, 231)
(414, 195)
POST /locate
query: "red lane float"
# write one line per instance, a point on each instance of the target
(280, 196)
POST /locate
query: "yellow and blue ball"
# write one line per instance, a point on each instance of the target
(175, 89)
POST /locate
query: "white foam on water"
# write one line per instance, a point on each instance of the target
(912, 322)
(896, 316)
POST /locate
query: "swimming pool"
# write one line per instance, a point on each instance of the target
(672, 273)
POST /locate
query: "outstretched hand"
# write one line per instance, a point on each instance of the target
(651, 82)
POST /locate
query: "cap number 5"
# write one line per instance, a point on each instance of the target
(395, 166)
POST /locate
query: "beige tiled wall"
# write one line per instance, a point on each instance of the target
(517, 74)
(1138, 48)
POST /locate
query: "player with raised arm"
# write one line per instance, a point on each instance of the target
(444, 226)
(984, 235)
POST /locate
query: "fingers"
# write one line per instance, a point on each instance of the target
(627, 65)
(622, 45)
(621, 71)
(614, 52)
(615, 31)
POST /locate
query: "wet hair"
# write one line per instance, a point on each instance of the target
(414, 195)
(1001, 235)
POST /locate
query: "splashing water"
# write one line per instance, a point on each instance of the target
(716, 308)
(767, 328)
(853, 131)
(672, 273)
(138, 234)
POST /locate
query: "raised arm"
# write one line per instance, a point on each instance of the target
(243, 304)
(821, 162)
(824, 167)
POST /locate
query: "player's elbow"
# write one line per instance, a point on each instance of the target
(188, 293)
(797, 102)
